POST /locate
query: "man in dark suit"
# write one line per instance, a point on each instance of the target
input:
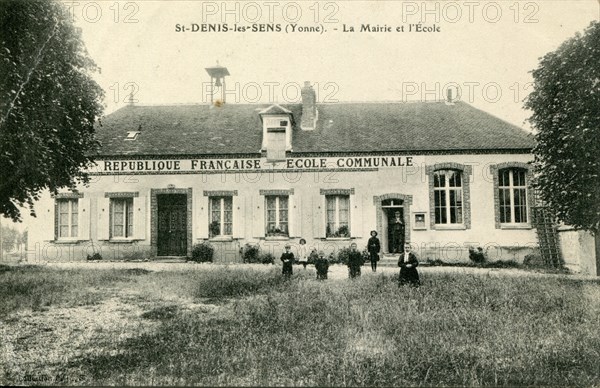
(408, 268)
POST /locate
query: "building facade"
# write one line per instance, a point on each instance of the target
(442, 176)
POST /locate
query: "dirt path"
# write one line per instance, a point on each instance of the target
(36, 345)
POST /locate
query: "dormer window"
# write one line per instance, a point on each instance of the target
(277, 132)
(132, 135)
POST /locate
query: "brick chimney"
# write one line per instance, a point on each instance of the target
(309, 107)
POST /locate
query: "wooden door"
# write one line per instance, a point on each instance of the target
(172, 225)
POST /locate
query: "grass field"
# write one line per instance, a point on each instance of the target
(229, 326)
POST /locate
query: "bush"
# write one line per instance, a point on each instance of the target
(203, 253)
(434, 262)
(312, 258)
(253, 255)
(267, 258)
(476, 255)
(534, 260)
(342, 257)
(95, 256)
(502, 264)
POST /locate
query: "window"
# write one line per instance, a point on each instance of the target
(277, 215)
(338, 215)
(448, 197)
(221, 216)
(68, 212)
(512, 195)
(121, 217)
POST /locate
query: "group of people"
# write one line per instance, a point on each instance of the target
(407, 261)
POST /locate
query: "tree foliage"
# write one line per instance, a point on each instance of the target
(566, 115)
(48, 103)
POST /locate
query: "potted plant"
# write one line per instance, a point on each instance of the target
(214, 228)
(277, 231)
(343, 231)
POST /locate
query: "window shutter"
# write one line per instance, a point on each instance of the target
(276, 145)
(103, 218)
(258, 216)
(295, 214)
(356, 219)
(318, 224)
(201, 219)
(139, 217)
(83, 218)
(238, 216)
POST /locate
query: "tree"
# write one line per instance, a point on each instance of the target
(10, 237)
(565, 102)
(48, 103)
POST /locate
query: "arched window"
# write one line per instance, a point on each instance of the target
(512, 195)
(448, 197)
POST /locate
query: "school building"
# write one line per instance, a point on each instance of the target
(442, 175)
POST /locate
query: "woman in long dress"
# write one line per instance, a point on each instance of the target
(408, 264)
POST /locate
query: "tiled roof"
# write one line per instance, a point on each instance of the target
(341, 127)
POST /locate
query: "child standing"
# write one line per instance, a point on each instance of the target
(322, 266)
(355, 261)
(373, 246)
(288, 259)
(303, 253)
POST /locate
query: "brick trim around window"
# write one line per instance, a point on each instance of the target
(277, 192)
(494, 169)
(466, 171)
(337, 191)
(220, 193)
(122, 194)
(67, 195)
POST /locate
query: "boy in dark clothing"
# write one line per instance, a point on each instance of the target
(288, 259)
(373, 246)
(355, 261)
(322, 266)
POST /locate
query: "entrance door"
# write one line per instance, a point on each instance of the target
(393, 225)
(172, 225)
(395, 229)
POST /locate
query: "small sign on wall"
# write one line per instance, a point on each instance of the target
(419, 220)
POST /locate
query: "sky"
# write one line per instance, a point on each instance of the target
(482, 50)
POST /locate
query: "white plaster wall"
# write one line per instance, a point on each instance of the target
(578, 250)
(449, 245)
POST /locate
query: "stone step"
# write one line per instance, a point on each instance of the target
(389, 260)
